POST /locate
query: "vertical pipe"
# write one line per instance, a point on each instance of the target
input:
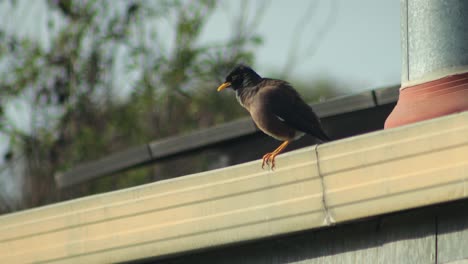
(434, 43)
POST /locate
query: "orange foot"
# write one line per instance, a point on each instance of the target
(269, 157)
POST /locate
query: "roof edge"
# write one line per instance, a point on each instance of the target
(376, 173)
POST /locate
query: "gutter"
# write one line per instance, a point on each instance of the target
(315, 187)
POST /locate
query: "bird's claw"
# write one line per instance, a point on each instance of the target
(267, 158)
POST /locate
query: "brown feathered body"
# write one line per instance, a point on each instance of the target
(279, 111)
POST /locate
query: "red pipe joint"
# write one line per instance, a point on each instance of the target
(429, 100)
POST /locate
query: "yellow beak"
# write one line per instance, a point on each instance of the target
(224, 85)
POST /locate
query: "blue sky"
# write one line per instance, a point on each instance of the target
(361, 46)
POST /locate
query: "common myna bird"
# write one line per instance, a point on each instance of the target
(276, 108)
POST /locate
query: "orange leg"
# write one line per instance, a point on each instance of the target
(272, 155)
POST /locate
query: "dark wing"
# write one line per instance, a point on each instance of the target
(289, 107)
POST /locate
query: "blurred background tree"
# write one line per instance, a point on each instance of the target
(116, 74)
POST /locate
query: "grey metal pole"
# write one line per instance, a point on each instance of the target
(434, 39)
(434, 43)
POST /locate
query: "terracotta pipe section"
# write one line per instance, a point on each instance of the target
(429, 100)
(434, 42)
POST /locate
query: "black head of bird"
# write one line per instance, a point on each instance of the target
(276, 108)
(241, 77)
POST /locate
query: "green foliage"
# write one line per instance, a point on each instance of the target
(151, 51)
(72, 85)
